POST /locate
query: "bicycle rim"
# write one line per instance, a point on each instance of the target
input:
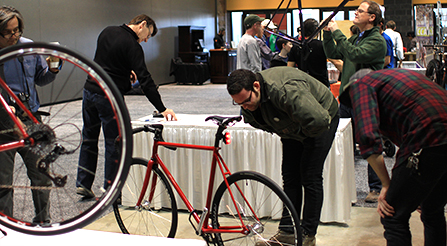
(261, 214)
(157, 217)
(58, 208)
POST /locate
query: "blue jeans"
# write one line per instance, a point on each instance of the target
(302, 167)
(96, 112)
(410, 188)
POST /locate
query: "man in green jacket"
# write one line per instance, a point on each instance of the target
(365, 50)
(304, 113)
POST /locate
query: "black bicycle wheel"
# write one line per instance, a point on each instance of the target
(434, 72)
(53, 206)
(268, 206)
(158, 217)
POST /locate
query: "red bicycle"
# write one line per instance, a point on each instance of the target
(48, 141)
(247, 207)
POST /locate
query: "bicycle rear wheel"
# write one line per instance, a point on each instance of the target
(154, 217)
(267, 207)
(52, 206)
(434, 72)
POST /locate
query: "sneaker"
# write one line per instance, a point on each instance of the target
(280, 238)
(85, 193)
(372, 197)
(309, 240)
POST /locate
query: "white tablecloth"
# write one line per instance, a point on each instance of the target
(91, 238)
(250, 149)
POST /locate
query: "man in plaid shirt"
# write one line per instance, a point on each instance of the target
(411, 111)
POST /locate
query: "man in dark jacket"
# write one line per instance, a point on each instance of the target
(304, 113)
(120, 54)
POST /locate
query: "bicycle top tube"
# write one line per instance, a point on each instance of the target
(222, 121)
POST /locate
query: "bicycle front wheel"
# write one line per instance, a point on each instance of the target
(157, 214)
(263, 208)
(38, 192)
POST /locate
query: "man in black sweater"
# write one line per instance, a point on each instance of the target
(120, 54)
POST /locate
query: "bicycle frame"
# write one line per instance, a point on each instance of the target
(303, 41)
(217, 160)
(25, 140)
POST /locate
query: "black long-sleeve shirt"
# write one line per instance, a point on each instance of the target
(118, 53)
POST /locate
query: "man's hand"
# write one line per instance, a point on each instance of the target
(325, 28)
(169, 114)
(49, 60)
(133, 77)
(383, 208)
(332, 26)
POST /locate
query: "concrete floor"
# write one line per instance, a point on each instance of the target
(364, 228)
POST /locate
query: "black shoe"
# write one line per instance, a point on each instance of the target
(85, 193)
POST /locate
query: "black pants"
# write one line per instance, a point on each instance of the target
(302, 167)
(410, 188)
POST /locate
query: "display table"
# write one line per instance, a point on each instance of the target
(250, 149)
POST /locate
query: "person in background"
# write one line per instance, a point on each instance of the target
(119, 53)
(219, 42)
(398, 47)
(281, 58)
(266, 52)
(22, 75)
(248, 51)
(389, 57)
(411, 111)
(311, 58)
(413, 42)
(365, 50)
(304, 113)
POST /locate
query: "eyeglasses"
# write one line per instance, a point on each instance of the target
(13, 33)
(361, 11)
(150, 34)
(244, 102)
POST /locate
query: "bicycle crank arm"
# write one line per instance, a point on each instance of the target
(202, 220)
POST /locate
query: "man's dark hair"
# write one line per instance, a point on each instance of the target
(222, 29)
(8, 13)
(149, 22)
(240, 79)
(374, 9)
(310, 25)
(280, 42)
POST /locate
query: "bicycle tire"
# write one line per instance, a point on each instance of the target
(158, 219)
(61, 99)
(268, 201)
(434, 72)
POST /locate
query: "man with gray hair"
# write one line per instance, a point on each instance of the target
(22, 75)
(248, 51)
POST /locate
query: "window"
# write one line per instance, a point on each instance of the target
(307, 13)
